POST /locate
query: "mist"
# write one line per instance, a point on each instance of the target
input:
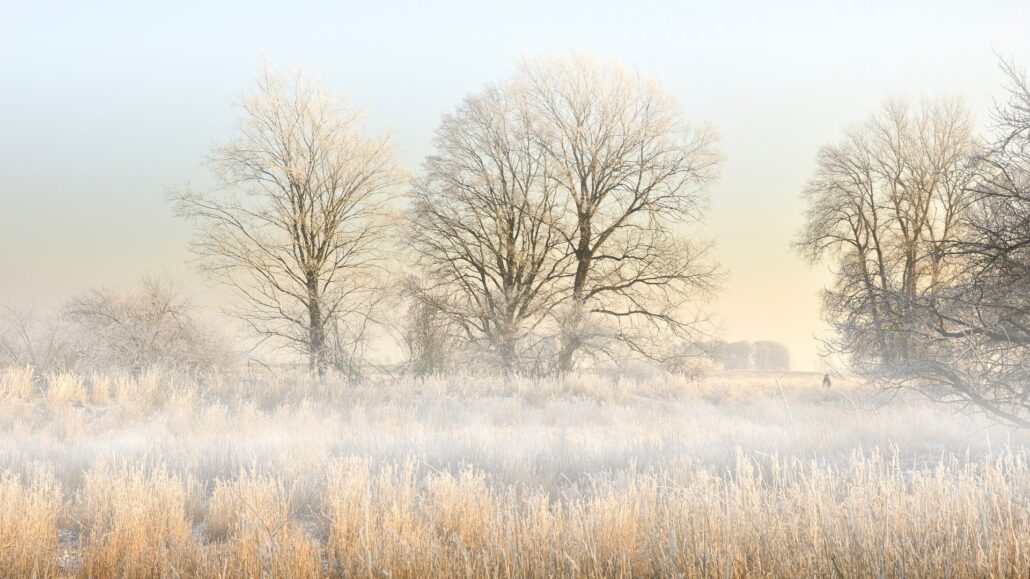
(495, 290)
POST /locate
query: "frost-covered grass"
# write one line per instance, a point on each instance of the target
(737, 474)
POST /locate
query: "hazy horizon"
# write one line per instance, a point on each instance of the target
(104, 107)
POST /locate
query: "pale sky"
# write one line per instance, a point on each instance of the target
(104, 105)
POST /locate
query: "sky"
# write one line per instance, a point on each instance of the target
(104, 106)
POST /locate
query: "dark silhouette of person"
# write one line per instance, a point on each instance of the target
(826, 381)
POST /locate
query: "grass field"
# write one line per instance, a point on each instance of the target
(738, 474)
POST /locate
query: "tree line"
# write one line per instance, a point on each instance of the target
(548, 228)
(745, 355)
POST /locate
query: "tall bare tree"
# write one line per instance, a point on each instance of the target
(485, 227)
(633, 171)
(883, 206)
(978, 327)
(294, 225)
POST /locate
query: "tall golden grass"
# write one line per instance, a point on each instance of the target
(612, 480)
(30, 508)
(865, 518)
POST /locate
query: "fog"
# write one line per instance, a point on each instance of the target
(590, 290)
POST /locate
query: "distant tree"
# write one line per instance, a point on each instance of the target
(694, 359)
(770, 356)
(432, 341)
(632, 172)
(153, 325)
(737, 355)
(295, 225)
(745, 355)
(34, 337)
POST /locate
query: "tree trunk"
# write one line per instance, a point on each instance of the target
(565, 356)
(316, 329)
(571, 341)
(507, 354)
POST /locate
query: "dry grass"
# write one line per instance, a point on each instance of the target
(16, 383)
(738, 475)
(253, 514)
(29, 509)
(133, 523)
(64, 388)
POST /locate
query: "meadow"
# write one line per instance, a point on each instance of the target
(278, 475)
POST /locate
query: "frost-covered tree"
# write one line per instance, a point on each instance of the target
(152, 325)
(976, 328)
(882, 208)
(550, 222)
(295, 226)
(31, 336)
(632, 173)
(929, 234)
(485, 225)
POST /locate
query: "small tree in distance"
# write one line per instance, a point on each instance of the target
(153, 325)
(744, 355)
(771, 356)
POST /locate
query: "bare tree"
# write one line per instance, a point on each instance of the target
(632, 172)
(930, 233)
(883, 206)
(152, 326)
(34, 337)
(977, 329)
(295, 224)
(431, 338)
(485, 228)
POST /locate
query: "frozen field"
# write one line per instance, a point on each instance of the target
(737, 474)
